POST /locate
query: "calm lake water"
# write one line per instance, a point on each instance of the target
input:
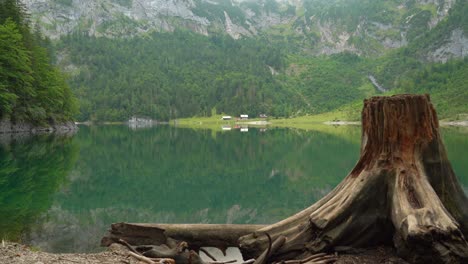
(61, 193)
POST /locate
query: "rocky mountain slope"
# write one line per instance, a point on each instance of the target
(321, 27)
(179, 58)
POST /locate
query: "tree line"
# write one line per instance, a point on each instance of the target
(177, 74)
(32, 89)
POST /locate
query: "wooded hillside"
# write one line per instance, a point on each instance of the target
(31, 88)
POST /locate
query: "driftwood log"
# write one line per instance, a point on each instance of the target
(402, 192)
(220, 236)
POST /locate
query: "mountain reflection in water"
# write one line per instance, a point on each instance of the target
(163, 174)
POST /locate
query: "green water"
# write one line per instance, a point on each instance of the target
(62, 193)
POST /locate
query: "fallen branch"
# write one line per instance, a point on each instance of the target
(197, 235)
(141, 258)
(317, 258)
(223, 262)
(164, 260)
(300, 261)
(123, 242)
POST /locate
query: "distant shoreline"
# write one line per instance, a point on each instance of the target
(8, 127)
(292, 123)
(462, 123)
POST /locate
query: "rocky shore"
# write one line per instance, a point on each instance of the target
(12, 253)
(6, 126)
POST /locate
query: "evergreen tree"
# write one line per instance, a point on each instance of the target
(31, 88)
(15, 69)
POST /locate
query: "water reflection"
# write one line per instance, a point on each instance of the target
(31, 170)
(456, 143)
(172, 175)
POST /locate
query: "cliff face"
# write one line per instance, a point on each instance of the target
(124, 18)
(453, 46)
(321, 27)
(114, 18)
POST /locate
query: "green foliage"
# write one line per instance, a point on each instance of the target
(182, 74)
(407, 70)
(15, 71)
(328, 82)
(30, 87)
(446, 83)
(418, 23)
(436, 37)
(14, 10)
(349, 13)
(162, 77)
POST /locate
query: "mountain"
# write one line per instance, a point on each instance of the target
(167, 59)
(323, 27)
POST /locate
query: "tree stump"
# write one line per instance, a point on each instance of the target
(402, 192)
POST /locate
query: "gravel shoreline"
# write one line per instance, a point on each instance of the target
(13, 253)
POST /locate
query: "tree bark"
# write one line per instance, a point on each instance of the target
(402, 192)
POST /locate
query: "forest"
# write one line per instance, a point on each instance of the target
(168, 75)
(32, 89)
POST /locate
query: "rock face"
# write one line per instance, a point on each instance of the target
(114, 18)
(323, 27)
(456, 46)
(6, 126)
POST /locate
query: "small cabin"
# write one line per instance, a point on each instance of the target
(244, 116)
(226, 118)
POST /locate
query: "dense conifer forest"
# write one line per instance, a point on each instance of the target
(32, 89)
(168, 75)
(181, 74)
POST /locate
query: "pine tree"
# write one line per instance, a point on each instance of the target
(31, 88)
(15, 70)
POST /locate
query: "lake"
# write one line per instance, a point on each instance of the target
(61, 193)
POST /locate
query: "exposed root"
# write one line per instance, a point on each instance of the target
(152, 261)
(272, 248)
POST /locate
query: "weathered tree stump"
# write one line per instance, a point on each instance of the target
(402, 192)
